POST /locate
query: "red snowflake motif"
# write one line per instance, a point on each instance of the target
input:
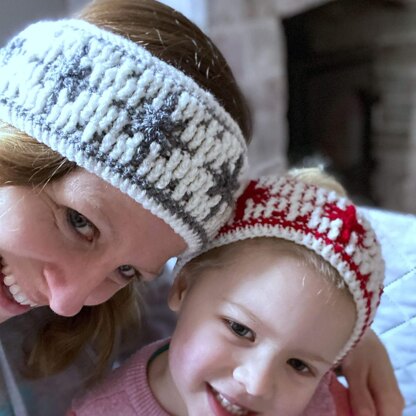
(350, 222)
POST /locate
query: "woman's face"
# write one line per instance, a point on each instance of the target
(74, 243)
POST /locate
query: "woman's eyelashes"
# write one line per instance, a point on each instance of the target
(88, 231)
(300, 367)
(128, 272)
(240, 330)
(81, 224)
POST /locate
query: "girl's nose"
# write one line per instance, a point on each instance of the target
(257, 377)
(70, 284)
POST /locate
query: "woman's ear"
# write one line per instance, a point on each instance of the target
(178, 292)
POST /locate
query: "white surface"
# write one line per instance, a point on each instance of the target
(395, 321)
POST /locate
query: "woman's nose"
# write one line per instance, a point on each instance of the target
(71, 283)
(257, 377)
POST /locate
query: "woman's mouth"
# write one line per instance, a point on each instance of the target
(230, 406)
(13, 290)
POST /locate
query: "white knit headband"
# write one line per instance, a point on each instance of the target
(320, 220)
(140, 124)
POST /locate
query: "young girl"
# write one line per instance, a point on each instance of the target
(287, 289)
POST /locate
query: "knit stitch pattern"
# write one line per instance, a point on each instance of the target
(140, 124)
(320, 220)
(125, 391)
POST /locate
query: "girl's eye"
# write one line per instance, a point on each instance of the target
(81, 224)
(240, 330)
(128, 272)
(299, 366)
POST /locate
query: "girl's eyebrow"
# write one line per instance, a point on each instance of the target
(310, 356)
(246, 311)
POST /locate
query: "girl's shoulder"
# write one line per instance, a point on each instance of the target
(124, 391)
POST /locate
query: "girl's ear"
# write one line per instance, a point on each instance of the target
(178, 292)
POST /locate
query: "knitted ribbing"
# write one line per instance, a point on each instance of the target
(320, 220)
(140, 124)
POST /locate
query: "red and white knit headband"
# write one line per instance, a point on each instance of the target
(322, 221)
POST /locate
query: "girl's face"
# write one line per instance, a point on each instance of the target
(256, 336)
(74, 243)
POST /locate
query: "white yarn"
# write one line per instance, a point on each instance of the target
(101, 100)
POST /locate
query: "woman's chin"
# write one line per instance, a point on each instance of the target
(10, 311)
(4, 317)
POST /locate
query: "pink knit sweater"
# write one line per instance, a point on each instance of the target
(126, 392)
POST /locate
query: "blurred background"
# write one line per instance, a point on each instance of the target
(331, 82)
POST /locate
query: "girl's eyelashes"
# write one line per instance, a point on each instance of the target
(81, 224)
(240, 330)
(128, 272)
(299, 366)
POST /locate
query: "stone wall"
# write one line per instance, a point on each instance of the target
(250, 35)
(390, 34)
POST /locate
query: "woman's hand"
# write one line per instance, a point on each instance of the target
(373, 386)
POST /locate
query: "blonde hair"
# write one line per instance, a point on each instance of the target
(25, 162)
(219, 256)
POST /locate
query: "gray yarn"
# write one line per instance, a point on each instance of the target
(107, 104)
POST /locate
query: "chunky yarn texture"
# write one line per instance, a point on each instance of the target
(321, 221)
(140, 124)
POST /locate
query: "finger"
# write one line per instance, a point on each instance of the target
(361, 399)
(390, 406)
(387, 396)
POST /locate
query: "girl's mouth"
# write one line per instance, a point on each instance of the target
(12, 289)
(230, 406)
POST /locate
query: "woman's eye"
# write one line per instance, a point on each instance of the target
(299, 366)
(81, 224)
(128, 272)
(240, 330)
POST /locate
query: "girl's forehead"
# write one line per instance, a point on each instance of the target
(263, 268)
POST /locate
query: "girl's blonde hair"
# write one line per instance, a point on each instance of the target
(25, 162)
